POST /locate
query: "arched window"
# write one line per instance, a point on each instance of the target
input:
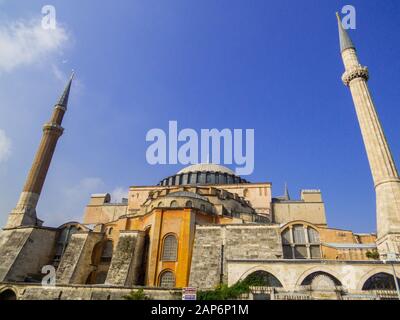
(167, 279)
(189, 204)
(173, 204)
(380, 281)
(301, 242)
(321, 281)
(160, 204)
(262, 279)
(203, 207)
(110, 230)
(170, 248)
(193, 178)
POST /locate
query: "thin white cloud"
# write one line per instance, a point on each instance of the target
(58, 73)
(84, 188)
(27, 43)
(5, 146)
(118, 193)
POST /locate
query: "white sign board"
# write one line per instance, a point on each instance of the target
(189, 293)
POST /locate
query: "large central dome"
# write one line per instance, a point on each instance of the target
(210, 167)
(203, 174)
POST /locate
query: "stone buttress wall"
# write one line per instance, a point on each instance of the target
(24, 251)
(126, 263)
(75, 265)
(205, 270)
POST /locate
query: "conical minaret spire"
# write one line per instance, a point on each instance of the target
(24, 213)
(345, 41)
(63, 100)
(383, 169)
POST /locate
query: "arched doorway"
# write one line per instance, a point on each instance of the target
(8, 294)
(380, 281)
(101, 260)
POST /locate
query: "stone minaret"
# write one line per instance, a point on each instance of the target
(24, 213)
(383, 168)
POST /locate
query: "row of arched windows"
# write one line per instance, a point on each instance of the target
(323, 280)
(202, 178)
(174, 204)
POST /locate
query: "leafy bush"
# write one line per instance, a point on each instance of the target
(223, 292)
(137, 295)
(374, 254)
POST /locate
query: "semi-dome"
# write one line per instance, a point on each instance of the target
(187, 194)
(203, 174)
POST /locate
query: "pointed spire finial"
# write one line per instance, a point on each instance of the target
(345, 41)
(286, 195)
(63, 100)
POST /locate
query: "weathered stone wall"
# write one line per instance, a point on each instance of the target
(84, 292)
(253, 242)
(126, 262)
(25, 251)
(75, 264)
(206, 258)
(312, 212)
(214, 244)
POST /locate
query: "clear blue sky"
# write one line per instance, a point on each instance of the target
(269, 65)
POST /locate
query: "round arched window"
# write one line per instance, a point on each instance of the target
(170, 248)
(167, 279)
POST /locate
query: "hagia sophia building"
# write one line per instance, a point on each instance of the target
(205, 226)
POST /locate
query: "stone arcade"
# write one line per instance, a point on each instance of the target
(204, 226)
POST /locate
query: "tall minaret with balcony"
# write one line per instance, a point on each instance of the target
(383, 168)
(24, 213)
